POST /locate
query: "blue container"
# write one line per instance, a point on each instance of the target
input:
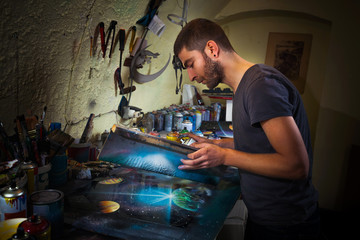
(58, 172)
(50, 205)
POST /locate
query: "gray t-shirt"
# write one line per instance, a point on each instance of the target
(262, 94)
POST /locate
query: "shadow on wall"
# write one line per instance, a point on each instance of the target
(336, 161)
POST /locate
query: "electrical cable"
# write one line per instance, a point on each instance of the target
(75, 60)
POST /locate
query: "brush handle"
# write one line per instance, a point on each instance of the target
(85, 134)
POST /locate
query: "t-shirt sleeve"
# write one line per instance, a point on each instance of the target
(267, 98)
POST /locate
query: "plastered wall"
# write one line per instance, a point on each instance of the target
(45, 61)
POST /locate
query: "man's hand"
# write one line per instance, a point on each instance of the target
(208, 155)
(198, 138)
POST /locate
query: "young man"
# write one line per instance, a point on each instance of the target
(271, 145)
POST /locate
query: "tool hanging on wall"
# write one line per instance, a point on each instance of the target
(152, 9)
(110, 30)
(131, 30)
(118, 70)
(143, 56)
(128, 60)
(102, 36)
(117, 75)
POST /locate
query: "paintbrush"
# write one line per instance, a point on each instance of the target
(59, 142)
(43, 115)
(88, 128)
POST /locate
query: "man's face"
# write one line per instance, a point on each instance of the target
(202, 68)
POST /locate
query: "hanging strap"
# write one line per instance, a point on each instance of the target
(183, 18)
(177, 66)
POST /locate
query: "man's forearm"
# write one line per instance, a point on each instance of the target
(225, 143)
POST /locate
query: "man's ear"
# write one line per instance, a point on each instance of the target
(212, 49)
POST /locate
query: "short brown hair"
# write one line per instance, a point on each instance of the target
(197, 33)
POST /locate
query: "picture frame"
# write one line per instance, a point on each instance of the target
(290, 53)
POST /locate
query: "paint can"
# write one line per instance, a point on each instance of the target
(80, 152)
(31, 170)
(38, 227)
(173, 136)
(13, 203)
(50, 205)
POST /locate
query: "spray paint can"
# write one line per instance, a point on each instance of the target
(31, 170)
(198, 120)
(13, 203)
(159, 122)
(207, 115)
(178, 119)
(21, 235)
(38, 227)
(168, 122)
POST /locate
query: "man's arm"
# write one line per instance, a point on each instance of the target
(225, 142)
(290, 160)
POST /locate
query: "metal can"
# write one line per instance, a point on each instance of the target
(168, 122)
(13, 203)
(159, 122)
(198, 120)
(50, 204)
(38, 227)
(178, 119)
(31, 170)
(187, 124)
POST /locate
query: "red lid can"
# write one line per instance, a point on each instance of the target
(37, 226)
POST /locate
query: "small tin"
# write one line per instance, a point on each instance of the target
(50, 204)
(38, 227)
(187, 124)
(31, 170)
(13, 203)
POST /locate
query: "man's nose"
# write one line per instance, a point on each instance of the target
(191, 74)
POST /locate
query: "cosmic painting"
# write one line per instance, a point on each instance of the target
(134, 202)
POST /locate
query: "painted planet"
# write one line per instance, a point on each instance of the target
(111, 181)
(190, 198)
(108, 206)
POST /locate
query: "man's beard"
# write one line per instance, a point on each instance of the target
(213, 71)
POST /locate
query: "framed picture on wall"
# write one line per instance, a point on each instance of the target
(289, 53)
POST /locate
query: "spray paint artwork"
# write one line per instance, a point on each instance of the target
(137, 203)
